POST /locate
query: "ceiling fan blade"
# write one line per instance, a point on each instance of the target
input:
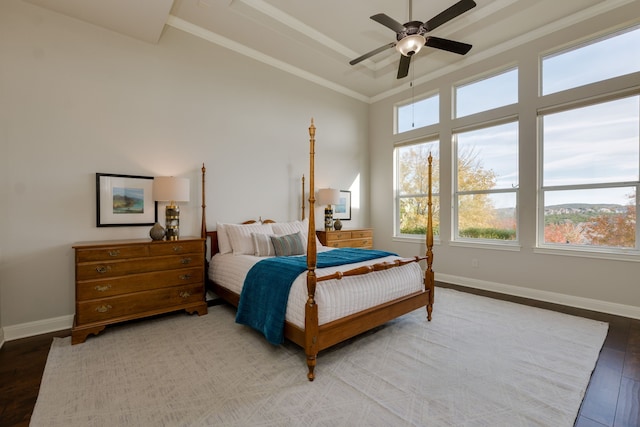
(448, 45)
(403, 67)
(370, 54)
(388, 22)
(456, 10)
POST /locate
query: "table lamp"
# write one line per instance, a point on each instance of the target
(329, 197)
(171, 189)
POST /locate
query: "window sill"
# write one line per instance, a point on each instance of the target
(420, 239)
(512, 246)
(585, 253)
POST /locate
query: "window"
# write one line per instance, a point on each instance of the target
(412, 188)
(485, 175)
(486, 183)
(418, 114)
(583, 65)
(486, 94)
(591, 175)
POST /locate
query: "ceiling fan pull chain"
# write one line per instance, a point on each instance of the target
(413, 103)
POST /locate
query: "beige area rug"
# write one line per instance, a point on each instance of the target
(480, 362)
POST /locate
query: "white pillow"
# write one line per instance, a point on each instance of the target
(282, 228)
(262, 245)
(240, 236)
(224, 245)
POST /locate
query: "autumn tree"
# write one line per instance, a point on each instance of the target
(563, 232)
(615, 230)
(474, 210)
(413, 186)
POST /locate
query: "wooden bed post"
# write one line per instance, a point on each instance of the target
(311, 309)
(429, 280)
(203, 224)
(303, 216)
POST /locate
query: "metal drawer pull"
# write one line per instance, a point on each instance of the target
(185, 260)
(114, 253)
(177, 249)
(185, 276)
(103, 308)
(102, 288)
(185, 294)
(103, 269)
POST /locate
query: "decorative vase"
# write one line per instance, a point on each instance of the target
(337, 224)
(156, 232)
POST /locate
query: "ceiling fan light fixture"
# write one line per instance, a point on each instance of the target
(410, 45)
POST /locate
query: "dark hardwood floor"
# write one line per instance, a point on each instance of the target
(612, 398)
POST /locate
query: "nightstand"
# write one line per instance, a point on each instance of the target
(354, 238)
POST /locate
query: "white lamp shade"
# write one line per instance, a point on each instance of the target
(328, 196)
(170, 189)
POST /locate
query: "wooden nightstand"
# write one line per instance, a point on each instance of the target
(123, 280)
(355, 238)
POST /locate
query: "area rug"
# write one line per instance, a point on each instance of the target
(479, 362)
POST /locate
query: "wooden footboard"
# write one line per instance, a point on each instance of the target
(314, 337)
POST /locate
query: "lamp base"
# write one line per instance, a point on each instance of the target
(328, 218)
(172, 219)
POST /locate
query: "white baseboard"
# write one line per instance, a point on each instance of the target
(10, 333)
(630, 311)
(38, 327)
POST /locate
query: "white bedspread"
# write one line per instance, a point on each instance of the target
(335, 298)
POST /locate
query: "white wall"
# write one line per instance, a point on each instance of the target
(76, 99)
(606, 285)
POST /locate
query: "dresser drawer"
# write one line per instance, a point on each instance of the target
(175, 248)
(100, 270)
(93, 289)
(338, 235)
(365, 243)
(111, 253)
(360, 234)
(139, 303)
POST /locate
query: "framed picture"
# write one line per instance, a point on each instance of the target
(343, 209)
(125, 200)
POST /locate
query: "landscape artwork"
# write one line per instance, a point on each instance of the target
(125, 200)
(128, 200)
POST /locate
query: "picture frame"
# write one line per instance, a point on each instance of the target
(125, 200)
(342, 210)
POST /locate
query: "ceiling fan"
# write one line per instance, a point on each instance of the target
(411, 36)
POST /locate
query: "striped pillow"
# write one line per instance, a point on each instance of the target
(262, 245)
(290, 244)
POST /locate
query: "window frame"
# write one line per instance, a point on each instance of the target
(413, 101)
(455, 232)
(609, 252)
(427, 139)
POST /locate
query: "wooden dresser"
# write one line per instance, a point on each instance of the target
(130, 279)
(354, 238)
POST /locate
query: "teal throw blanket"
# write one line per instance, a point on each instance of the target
(263, 300)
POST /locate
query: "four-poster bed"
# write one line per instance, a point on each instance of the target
(398, 285)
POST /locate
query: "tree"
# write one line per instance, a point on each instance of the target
(563, 232)
(616, 229)
(414, 184)
(475, 210)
